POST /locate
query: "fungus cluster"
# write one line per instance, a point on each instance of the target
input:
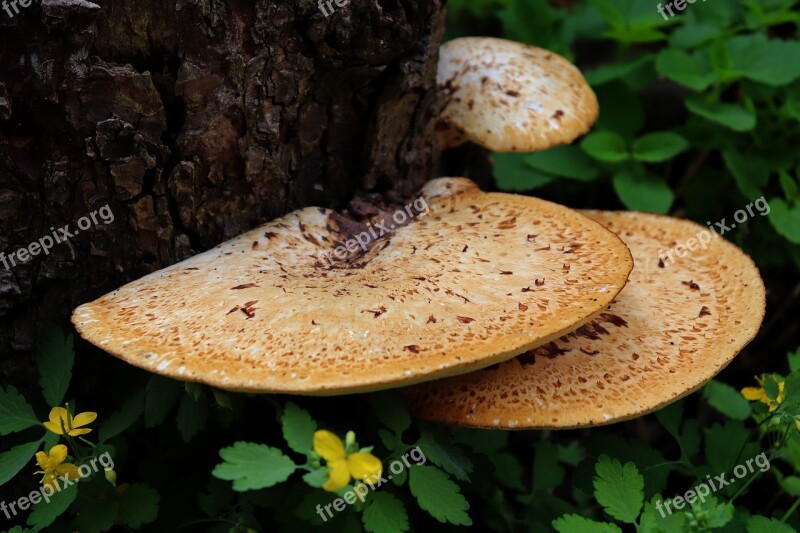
(495, 310)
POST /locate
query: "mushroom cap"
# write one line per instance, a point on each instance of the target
(510, 97)
(672, 328)
(480, 278)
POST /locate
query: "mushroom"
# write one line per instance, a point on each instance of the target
(676, 324)
(510, 97)
(480, 278)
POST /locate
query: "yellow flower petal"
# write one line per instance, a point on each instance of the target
(328, 445)
(754, 394)
(82, 419)
(57, 414)
(77, 432)
(338, 476)
(58, 453)
(67, 469)
(364, 466)
(55, 428)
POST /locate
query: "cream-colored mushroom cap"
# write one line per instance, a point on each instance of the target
(510, 97)
(675, 325)
(477, 279)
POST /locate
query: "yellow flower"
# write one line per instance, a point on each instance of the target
(758, 394)
(61, 420)
(53, 466)
(359, 465)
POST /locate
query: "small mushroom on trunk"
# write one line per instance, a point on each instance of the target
(658, 341)
(315, 303)
(510, 97)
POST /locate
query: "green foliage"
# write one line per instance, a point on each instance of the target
(253, 466)
(16, 413)
(439, 495)
(55, 365)
(619, 489)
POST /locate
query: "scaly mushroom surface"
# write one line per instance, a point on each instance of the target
(675, 325)
(480, 278)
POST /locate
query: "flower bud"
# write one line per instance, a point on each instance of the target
(111, 476)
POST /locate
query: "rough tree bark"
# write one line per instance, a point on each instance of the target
(194, 120)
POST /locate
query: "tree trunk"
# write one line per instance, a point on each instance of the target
(194, 120)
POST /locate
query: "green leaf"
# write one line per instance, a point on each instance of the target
(723, 443)
(253, 466)
(17, 458)
(16, 414)
(121, 420)
(614, 71)
(547, 474)
(658, 146)
(160, 397)
(448, 456)
(643, 192)
(605, 146)
(55, 365)
(750, 171)
(769, 61)
(711, 514)
(794, 360)
(691, 35)
(731, 116)
(96, 515)
(573, 523)
(785, 219)
(317, 478)
(138, 505)
(788, 185)
(692, 71)
(726, 400)
(762, 524)
(658, 519)
(391, 411)
(45, 513)
(619, 489)
(298, 428)
(565, 161)
(513, 174)
(192, 415)
(385, 514)
(439, 495)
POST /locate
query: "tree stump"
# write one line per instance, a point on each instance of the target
(194, 121)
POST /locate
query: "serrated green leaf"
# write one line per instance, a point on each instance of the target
(573, 523)
(253, 466)
(96, 515)
(723, 443)
(762, 524)
(449, 457)
(16, 413)
(17, 458)
(643, 192)
(317, 478)
(547, 473)
(385, 514)
(692, 71)
(605, 146)
(391, 411)
(439, 495)
(192, 415)
(614, 71)
(751, 172)
(45, 513)
(785, 219)
(298, 428)
(619, 489)
(512, 173)
(658, 146)
(769, 61)
(138, 505)
(794, 360)
(726, 400)
(160, 397)
(54, 362)
(731, 116)
(658, 519)
(565, 161)
(121, 420)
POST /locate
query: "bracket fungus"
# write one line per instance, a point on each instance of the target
(510, 97)
(480, 278)
(673, 327)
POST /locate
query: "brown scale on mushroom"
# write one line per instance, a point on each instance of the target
(650, 347)
(295, 324)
